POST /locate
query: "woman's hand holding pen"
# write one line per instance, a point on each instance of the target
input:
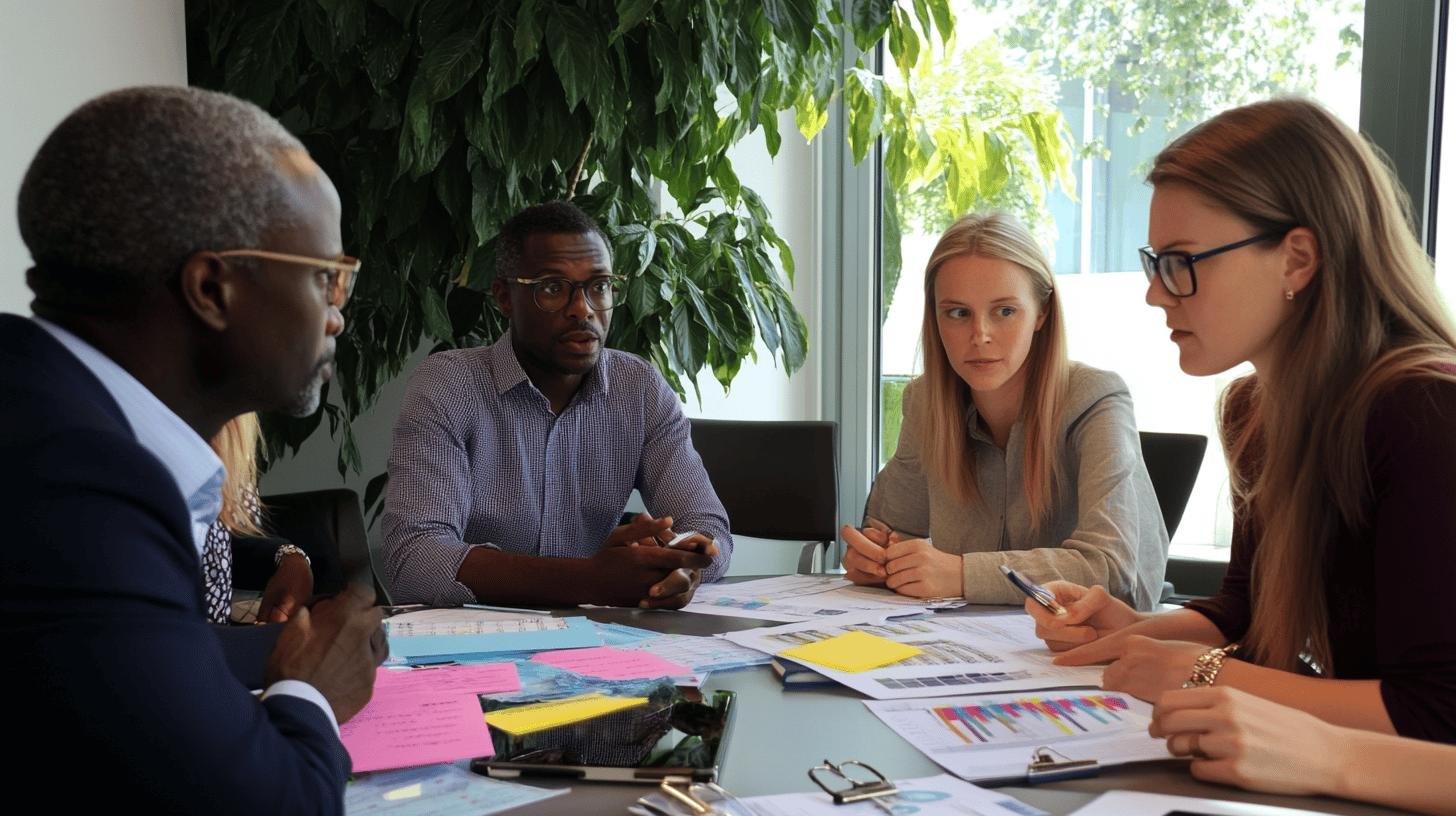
(1092, 614)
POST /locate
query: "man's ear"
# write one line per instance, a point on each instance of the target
(209, 288)
(1301, 259)
(502, 295)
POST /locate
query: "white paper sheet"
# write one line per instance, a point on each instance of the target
(790, 598)
(438, 790)
(994, 736)
(466, 621)
(1129, 803)
(962, 654)
(702, 654)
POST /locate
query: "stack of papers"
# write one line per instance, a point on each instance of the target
(957, 655)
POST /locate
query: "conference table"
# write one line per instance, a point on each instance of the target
(778, 734)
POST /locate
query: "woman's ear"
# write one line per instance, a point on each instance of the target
(1301, 259)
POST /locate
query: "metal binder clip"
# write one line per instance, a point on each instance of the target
(1043, 768)
(860, 789)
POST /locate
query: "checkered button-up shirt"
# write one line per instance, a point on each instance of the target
(480, 460)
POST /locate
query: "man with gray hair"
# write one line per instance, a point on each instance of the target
(187, 270)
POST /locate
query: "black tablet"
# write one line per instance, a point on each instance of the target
(678, 732)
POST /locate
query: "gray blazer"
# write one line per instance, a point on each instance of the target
(1105, 526)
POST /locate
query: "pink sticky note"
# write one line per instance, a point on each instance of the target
(611, 663)
(404, 731)
(486, 678)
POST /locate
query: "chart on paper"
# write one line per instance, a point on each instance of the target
(1035, 719)
(993, 736)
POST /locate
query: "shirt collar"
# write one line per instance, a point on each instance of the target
(507, 373)
(194, 466)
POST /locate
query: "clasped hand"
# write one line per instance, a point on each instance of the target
(639, 569)
(878, 556)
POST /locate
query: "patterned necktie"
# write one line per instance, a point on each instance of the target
(217, 572)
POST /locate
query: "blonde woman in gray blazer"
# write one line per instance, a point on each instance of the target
(1009, 453)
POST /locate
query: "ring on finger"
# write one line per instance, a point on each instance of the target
(1193, 749)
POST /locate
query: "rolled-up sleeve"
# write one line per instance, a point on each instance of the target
(672, 479)
(1119, 540)
(429, 498)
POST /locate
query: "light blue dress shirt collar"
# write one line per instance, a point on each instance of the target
(191, 461)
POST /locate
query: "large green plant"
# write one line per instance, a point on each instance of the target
(438, 119)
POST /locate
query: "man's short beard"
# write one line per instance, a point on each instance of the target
(307, 400)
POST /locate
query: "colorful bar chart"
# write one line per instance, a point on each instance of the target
(1034, 719)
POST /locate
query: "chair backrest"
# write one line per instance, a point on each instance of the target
(776, 479)
(1173, 461)
(329, 526)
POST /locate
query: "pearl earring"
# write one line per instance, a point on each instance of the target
(1289, 294)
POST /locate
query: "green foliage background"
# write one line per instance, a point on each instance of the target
(438, 119)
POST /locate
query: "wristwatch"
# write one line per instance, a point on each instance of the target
(290, 549)
(1207, 666)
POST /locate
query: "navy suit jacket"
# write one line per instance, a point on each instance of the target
(117, 691)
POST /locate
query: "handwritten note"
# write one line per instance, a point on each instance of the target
(852, 652)
(528, 719)
(611, 663)
(401, 731)
(487, 678)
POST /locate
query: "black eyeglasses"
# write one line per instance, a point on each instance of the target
(1175, 268)
(552, 294)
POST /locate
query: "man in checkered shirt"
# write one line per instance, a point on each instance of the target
(511, 463)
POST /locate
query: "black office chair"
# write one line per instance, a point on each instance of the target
(329, 526)
(1173, 461)
(778, 480)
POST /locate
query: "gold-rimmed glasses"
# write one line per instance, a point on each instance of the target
(345, 269)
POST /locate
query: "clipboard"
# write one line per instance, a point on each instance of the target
(1044, 767)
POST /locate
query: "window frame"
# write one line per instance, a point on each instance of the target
(1399, 111)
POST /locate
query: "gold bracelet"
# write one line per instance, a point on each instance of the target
(1207, 666)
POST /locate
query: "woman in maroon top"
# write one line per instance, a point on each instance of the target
(1277, 236)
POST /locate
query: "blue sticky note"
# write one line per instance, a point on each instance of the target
(578, 633)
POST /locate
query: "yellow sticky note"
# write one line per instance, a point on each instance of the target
(529, 719)
(852, 652)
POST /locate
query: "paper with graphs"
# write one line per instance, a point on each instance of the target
(960, 654)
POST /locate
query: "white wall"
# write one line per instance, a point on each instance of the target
(54, 55)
